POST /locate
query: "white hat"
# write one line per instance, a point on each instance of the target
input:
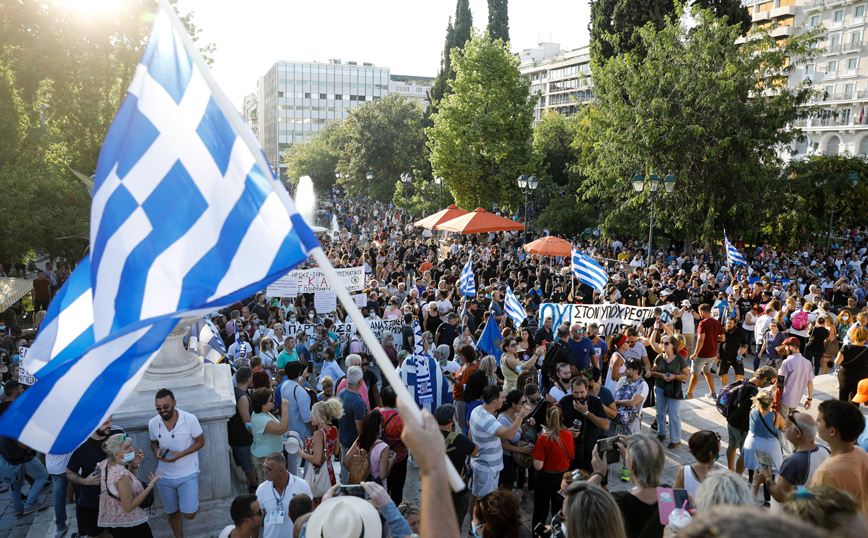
(292, 442)
(685, 302)
(344, 517)
(616, 277)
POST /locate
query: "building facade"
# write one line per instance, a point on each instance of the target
(840, 71)
(414, 88)
(562, 79)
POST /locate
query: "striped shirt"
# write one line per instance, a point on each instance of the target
(483, 430)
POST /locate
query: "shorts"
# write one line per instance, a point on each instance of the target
(484, 480)
(787, 411)
(241, 455)
(702, 365)
(736, 438)
(88, 517)
(736, 364)
(180, 493)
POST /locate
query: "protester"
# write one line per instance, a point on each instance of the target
(275, 493)
(459, 448)
(709, 333)
(240, 438)
(267, 430)
(370, 448)
(670, 370)
(704, 445)
(297, 410)
(247, 518)
(122, 494)
(797, 375)
(852, 361)
(552, 455)
(20, 461)
(839, 424)
(497, 516)
(323, 443)
(831, 509)
(80, 471)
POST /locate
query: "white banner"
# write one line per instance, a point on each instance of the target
(345, 331)
(24, 377)
(612, 318)
(313, 280)
(325, 301)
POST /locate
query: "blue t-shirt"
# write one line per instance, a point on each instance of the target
(863, 439)
(584, 348)
(354, 409)
(602, 350)
(606, 397)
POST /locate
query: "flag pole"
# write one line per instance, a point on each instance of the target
(386, 367)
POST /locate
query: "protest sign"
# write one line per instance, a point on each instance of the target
(24, 377)
(346, 330)
(361, 300)
(611, 318)
(313, 280)
(325, 301)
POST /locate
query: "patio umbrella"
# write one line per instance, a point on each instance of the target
(549, 246)
(480, 221)
(432, 221)
(12, 289)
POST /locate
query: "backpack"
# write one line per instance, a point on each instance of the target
(800, 320)
(450, 446)
(626, 391)
(731, 397)
(552, 358)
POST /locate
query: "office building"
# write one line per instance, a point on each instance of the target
(561, 78)
(415, 88)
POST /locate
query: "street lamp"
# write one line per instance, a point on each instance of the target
(527, 184)
(407, 180)
(855, 180)
(370, 177)
(653, 182)
(439, 182)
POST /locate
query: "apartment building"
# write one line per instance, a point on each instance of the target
(561, 78)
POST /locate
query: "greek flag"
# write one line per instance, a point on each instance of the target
(206, 342)
(589, 271)
(467, 282)
(513, 308)
(186, 218)
(732, 253)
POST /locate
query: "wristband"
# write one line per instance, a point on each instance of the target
(599, 473)
(809, 399)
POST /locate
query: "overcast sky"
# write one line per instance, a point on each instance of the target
(406, 36)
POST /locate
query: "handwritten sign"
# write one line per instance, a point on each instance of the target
(314, 280)
(24, 377)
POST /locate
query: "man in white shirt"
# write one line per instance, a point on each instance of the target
(176, 436)
(247, 517)
(274, 495)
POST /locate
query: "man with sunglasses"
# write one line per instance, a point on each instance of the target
(798, 469)
(247, 515)
(275, 494)
(176, 437)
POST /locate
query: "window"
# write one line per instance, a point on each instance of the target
(815, 21)
(802, 146)
(863, 146)
(765, 6)
(280, 94)
(838, 19)
(852, 63)
(855, 37)
(831, 67)
(834, 42)
(832, 145)
(809, 71)
(858, 12)
(829, 90)
(307, 96)
(848, 91)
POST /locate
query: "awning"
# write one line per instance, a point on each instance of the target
(479, 221)
(13, 289)
(433, 221)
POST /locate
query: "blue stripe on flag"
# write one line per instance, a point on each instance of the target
(467, 282)
(732, 253)
(589, 271)
(513, 307)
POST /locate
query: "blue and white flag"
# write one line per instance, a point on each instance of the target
(418, 347)
(183, 221)
(205, 341)
(490, 339)
(424, 390)
(732, 253)
(422, 370)
(589, 271)
(513, 308)
(467, 282)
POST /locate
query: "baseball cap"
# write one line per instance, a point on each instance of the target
(685, 302)
(861, 392)
(792, 341)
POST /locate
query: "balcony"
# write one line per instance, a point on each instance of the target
(837, 24)
(831, 50)
(857, 20)
(814, 4)
(851, 72)
(830, 3)
(761, 16)
(856, 46)
(828, 75)
(782, 11)
(783, 31)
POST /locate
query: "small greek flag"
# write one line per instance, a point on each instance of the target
(513, 307)
(589, 271)
(732, 253)
(186, 218)
(467, 282)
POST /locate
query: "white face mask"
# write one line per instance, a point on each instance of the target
(128, 457)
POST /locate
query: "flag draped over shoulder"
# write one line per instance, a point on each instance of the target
(732, 253)
(438, 392)
(589, 271)
(183, 221)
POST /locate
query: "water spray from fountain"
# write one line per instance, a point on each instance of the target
(305, 202)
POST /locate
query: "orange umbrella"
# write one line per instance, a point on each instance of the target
(549, 246)
(431, 221)
(480, 221)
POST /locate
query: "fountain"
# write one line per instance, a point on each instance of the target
(305, 202)
(335, 230)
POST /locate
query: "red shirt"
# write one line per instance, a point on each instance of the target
(711, 328)
(555, 457)
(461, 377)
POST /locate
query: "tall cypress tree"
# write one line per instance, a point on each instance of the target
(498, 20)
(463, 27)
(456, 36)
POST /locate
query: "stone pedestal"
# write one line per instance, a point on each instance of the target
(206, 391)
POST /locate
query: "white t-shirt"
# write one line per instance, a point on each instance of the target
(56, 463)
(182, 437)
(274, 524)
(451, 366)
(225, 532)
(556, 393)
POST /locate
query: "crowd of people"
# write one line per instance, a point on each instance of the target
(554, 415)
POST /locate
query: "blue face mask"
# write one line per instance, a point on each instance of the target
(128, 457)
(473, 527)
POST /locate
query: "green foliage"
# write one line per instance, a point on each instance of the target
(481, 140)
(553, 143)
(384, 137)
(600, 27)
(463, 30)
(735, 12)
(565, 214)
(420, 196)
(63, 76)
(498, 20)
(456, 36)
(615, 25)
(691, 107)
(811, 188)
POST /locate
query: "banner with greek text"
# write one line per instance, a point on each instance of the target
(612, 318)
(345, 331)
(313, 280)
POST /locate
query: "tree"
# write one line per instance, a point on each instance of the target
(481, 139)
(812, 188)
(68, 73)
(672, 111)
(564, 213)
(318, 157)
(456, 36)
(735, 12)
(553, 142)
(615, 25)
(498, 20)
(423, 196)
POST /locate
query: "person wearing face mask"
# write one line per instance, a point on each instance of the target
(561, 385)
(120, 510)
(704, 445)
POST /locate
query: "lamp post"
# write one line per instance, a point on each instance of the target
(855, 180)
(439, 182)
(370, 177)
(527, 184)
(407, 180)
(653, 182)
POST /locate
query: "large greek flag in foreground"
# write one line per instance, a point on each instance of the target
(184, 220)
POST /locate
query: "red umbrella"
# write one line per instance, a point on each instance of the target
(432, 221)
(480, 221)
(549, 246)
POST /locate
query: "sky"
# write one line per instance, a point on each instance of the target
(406, 36)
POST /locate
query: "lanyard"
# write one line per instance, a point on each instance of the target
(279, 500)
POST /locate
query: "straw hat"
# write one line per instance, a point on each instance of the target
(345, 517)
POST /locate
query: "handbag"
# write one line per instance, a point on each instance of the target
(673, 390)
(522, 460)
(358, 467)
(318, 479)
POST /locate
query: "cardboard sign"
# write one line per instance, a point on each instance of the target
(361, 300)
(325, 301)
(612, 318)
(286, 286)
(24, 377)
